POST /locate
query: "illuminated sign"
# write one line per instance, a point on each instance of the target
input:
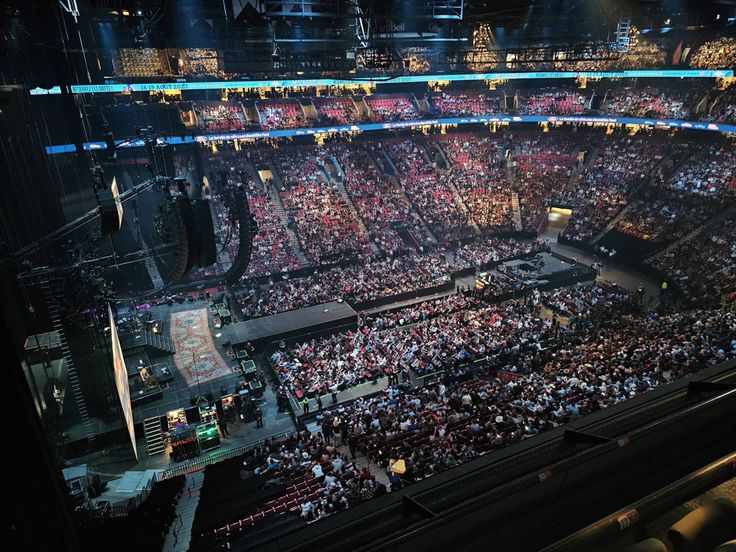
(121, 380)
(403, 79)
(475, 119)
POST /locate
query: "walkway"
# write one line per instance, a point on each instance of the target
(180, 532)
(625, 277)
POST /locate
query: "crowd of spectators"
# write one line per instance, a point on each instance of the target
(271, 251)
(619, 164)
(703, 267)
(281, 114)
(319, 215)
(378, 199)
(372, 279)
(220, 117)
(677, 204)
(712, 172)
(459, 104)
(420, 312)
(479, 175)
(336, 110)
(666, 215)
(391, 107)
(650, 103)
(542, 170)
(308, 476)
(413, 433)
(593, 300)
(552, 102)
(435, 344)
(432, 195)
(493, 250)
(715, 54)
(538, 374)
(723, 108)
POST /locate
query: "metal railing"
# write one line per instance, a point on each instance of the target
(212, 458)
(122, 509)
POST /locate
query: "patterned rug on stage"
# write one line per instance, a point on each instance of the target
(191, 335)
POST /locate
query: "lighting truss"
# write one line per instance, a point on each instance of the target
(447, 9)
(429, 9)
(70, 6)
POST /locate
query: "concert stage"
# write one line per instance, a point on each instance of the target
(546, 268)
(310, 320)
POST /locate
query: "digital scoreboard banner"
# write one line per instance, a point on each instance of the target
(481, 119)
(121, 380)
(117, 88)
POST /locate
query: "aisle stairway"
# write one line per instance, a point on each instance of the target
(340, 185)
(154, 436)
(253, 173)
(157, 344)
(402, 193)
(436, 149)
(611, 224)
(714, 221)
(516, 209)
(361, 460)
(180, 532)
(278, 208)
(378, 157)
(461, 203)
(572, 183)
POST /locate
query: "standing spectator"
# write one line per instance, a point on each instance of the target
(333, 392)
(327, 430)
(305, 405)
(259, 417)
(353, 445)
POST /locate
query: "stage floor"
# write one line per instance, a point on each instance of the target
(191, 328)
(283, 325)
(550, 269)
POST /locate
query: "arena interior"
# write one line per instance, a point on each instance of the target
(369, 275)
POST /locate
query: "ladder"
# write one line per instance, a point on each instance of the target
(154, 436)
(71, 370)
(623, 35)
